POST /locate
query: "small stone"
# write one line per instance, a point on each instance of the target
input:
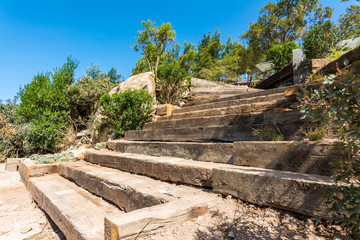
(26, 230)
(231, 234)
(228, 197)
(200, 218)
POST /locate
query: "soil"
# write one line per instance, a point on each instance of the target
(234, 219)
(20, 218)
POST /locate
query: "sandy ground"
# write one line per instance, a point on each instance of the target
(233, 219)
(20, 218)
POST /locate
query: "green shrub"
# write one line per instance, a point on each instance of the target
(83, 95)
(11, 131)
(320, 40)
(45, 108)
(337, 103)
(268, 133)
(172, 83)
(281, 54)
(126, 111)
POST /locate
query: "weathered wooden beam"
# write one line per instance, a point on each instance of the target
(282, 76)
(341, 62)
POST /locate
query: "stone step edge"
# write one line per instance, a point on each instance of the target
(302, 191)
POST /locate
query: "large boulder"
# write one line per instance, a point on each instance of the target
(142, 81)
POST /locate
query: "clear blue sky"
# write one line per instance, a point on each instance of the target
(38, 35)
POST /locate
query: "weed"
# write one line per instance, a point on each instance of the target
(272, 133)
(316, 133)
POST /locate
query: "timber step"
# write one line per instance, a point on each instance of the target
(238, 109)
(295, 192)
(294, 156)
(77, 213)
(244, 96)
(128, 191)
(228, 103)
(82, 214)
(228, 120)
(290, 131)
(206, 152)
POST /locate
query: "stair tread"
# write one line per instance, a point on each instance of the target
(237, 109)
(227, 103)
(310, 178)
(243, 95)
(131, 182)
(76, 211)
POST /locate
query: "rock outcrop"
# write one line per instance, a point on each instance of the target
(142, 81)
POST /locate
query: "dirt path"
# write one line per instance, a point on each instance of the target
(20, 218)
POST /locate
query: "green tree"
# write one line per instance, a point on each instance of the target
(281, 54)
(43, 104)
(83, 95)
(113, 76)
(282, 22)
(349, 22)
(187, 59)
(207, 61)
(172, 83)
(320, 40)
(234, 60)
(152, 42)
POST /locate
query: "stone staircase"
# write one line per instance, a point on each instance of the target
(173, 169)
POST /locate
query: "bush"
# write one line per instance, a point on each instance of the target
(320, 40)
(10, 138)
(126, 111)
(337, 104)
(44, 108)
(281, 54)
(83, 95)
(172, 83)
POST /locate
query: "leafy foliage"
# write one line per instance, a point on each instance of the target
(337, 103)
(126, 111)
(12, 131)
(320, 40)
(152, 42)
(281, 54)
(350, 22)
(44, 106)
(83, 95)
(172, 83)
(284, 21)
